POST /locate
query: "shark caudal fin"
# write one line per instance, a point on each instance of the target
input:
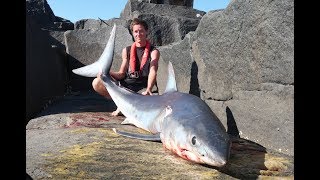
(89, 70)
(171, 81)
(103, 64)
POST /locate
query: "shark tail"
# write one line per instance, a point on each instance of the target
(103, 64)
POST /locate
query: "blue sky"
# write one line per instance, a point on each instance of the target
(75, 10)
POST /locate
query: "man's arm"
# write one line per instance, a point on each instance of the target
(155, 55)
(123, 68)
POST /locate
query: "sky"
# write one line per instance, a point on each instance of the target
(75, 10)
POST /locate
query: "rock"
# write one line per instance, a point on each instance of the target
(74, 138)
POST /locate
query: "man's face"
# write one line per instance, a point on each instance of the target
(139, 33)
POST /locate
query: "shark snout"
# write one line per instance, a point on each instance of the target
(217, 162)
(221, 162)
(218, 157)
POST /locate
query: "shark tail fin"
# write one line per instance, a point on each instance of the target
(103, 64)
(107, 55)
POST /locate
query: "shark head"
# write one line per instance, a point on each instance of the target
(209, 148)
(198, 137)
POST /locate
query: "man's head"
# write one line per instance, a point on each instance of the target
(139, 29)
(137, 21)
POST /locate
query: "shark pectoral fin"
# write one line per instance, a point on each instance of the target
(128, 121)
(145, 137)
(133, 122)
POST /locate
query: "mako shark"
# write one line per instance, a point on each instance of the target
(183, 122)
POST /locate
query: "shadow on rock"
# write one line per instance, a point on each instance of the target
(250, 160)
(246, 159)
(81, 101)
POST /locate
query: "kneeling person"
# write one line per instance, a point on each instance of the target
(138, 70)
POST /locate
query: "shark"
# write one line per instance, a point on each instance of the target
(183, 122)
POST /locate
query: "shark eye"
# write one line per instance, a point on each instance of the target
(193, 140)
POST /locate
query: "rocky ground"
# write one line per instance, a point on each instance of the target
(73, 139)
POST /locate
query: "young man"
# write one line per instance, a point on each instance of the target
(138, 70)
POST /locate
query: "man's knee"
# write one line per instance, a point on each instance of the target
(100, 88)
(95, 84)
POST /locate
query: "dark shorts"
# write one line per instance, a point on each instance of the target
(138, 87)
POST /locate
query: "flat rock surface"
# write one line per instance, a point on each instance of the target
(73, 139)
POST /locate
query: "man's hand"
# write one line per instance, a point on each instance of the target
(147, 92)
(99, 74)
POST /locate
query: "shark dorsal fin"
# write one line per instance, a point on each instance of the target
(171, 81)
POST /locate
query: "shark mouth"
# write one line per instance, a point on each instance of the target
(189, 155)
(182, 152)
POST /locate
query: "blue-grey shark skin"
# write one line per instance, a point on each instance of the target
(184, 123)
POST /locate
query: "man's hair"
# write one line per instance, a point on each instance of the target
(137, 21)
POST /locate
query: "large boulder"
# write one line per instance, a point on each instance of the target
(42, 14)
(168, 23)
(46, 73)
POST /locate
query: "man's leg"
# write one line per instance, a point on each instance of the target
(117, 112)
(98, 86)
